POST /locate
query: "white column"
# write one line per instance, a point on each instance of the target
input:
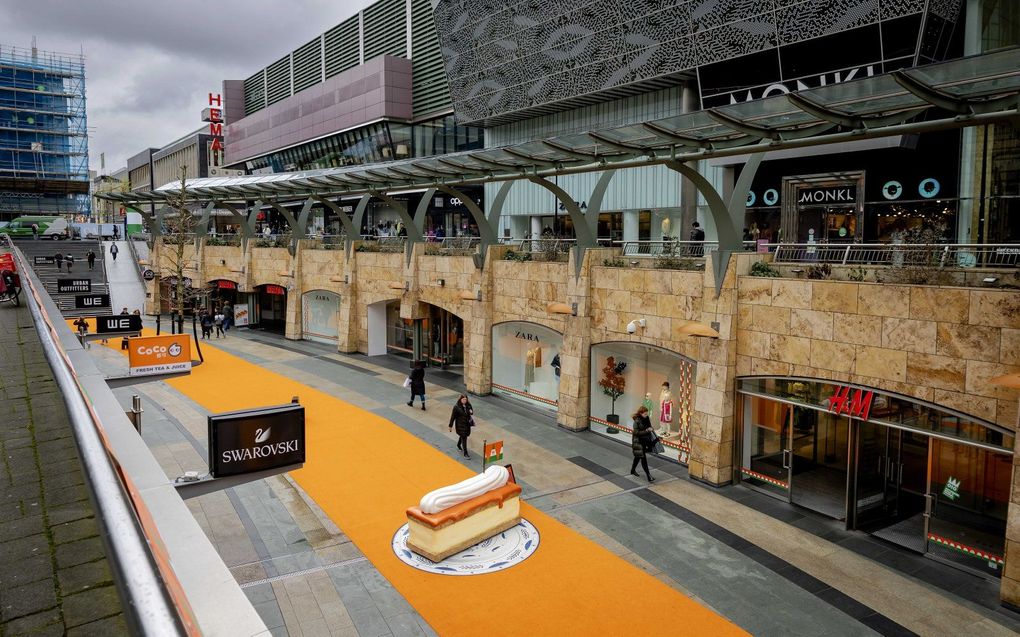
(536, 227)
(631, 227)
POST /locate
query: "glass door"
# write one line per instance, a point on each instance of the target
(767, 455)
(819, 453)
(968, 494)
(890, 482)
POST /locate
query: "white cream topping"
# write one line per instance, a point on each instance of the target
(435, 501)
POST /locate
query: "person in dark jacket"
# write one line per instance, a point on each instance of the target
(463, 419)
(641, 441)
(58, 258)
(91, 256)
(417, 384)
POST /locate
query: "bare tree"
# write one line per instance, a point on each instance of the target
(179, 237)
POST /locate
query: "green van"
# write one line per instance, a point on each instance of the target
(49, 227)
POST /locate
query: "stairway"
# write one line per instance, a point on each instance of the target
(47, 272)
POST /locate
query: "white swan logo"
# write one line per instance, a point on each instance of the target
(262, 435)
(174, 350)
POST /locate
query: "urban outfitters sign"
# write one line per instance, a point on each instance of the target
(65, 286)
(253, 440)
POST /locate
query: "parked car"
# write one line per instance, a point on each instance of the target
(49, 227)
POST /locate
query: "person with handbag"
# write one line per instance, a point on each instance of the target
(642, 440)
(463, 419)
(417, 384)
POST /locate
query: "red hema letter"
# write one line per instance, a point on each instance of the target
(215, 99)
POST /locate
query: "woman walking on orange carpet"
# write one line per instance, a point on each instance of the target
(462, 417)
(417, 379)
(640, 440)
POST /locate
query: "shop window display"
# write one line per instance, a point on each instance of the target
(526, 362)
(625, 376)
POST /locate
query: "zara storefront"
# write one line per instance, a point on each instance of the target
(921, 476)
(526, 362)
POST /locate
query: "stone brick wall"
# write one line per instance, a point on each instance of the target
(938, 344)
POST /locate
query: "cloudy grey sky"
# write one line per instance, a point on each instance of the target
(150, 64)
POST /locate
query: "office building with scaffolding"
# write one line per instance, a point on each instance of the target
(43, 134)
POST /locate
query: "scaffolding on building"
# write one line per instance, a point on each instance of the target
(43, 134)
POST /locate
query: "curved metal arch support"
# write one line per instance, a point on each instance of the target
(598, 193)
(422, 210)
(203, 221)
(496, 207)
(247, 231)
(585, 238)
(357, 221)
(728, 217)
(414, 234)
(349, 230)
(485, 230)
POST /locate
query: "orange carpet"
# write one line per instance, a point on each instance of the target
(364, 471)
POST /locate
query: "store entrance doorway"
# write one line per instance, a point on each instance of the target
(271, 308)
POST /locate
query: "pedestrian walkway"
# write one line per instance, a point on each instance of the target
(364, 471)
(773, 571)
(126, 289)
(54, 577)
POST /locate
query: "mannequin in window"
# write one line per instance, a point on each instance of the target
(532, 360)
(665, 410)
(647, 402)
(555, 364)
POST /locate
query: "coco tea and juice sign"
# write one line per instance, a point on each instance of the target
(149, 355)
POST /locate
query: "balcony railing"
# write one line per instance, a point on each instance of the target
(941, 255)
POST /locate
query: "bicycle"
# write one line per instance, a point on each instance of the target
(10, 287)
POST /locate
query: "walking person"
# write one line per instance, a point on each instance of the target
(82, 325)
(58, 258)
(463, 419)
(35, 232)
(114, 250)
(69, 260)
(697, 240)
(91, 256)
(228, 316)
(417, 379)
(218, 322)
(642, 439)
(206, 320)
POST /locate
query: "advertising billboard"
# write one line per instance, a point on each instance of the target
(117, 323)
(256, 440)
(149, 355)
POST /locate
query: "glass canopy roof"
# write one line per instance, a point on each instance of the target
(957, 93)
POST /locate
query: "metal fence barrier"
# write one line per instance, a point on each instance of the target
(941, 255)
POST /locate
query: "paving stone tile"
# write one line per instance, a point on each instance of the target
(369, 621)
(15, 528)
(28, 599)
(109, 626)
(77, 530)
(79, 552)
(34, 624)
(84, 576)
(18, 572)
(91, 605)
(269, 611)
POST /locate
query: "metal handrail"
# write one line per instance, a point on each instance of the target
(942, 255)
(545, 244)
(144, 584)
(139, 268)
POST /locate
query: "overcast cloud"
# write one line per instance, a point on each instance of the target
(151, 64)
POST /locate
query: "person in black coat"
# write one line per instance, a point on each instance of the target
(462, 418)
(641, 441)
(417, 384)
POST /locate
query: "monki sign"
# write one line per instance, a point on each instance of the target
(828, 194)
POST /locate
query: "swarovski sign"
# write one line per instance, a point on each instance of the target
(256, 440)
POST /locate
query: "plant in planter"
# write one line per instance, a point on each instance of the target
(613, 383)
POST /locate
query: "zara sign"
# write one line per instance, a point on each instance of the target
(253, 440)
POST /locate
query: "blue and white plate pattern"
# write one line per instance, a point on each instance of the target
(499, 552)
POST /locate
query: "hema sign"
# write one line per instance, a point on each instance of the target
(256, 440)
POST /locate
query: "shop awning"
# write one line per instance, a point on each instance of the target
(955, 94)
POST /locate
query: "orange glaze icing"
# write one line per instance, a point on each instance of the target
(460, 511)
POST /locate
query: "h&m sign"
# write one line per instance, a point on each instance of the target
(827, 194)
(118, 323)
(86, 301)
(256, 440)
(851, 401)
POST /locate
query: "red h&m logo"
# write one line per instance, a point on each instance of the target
(855, 402)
